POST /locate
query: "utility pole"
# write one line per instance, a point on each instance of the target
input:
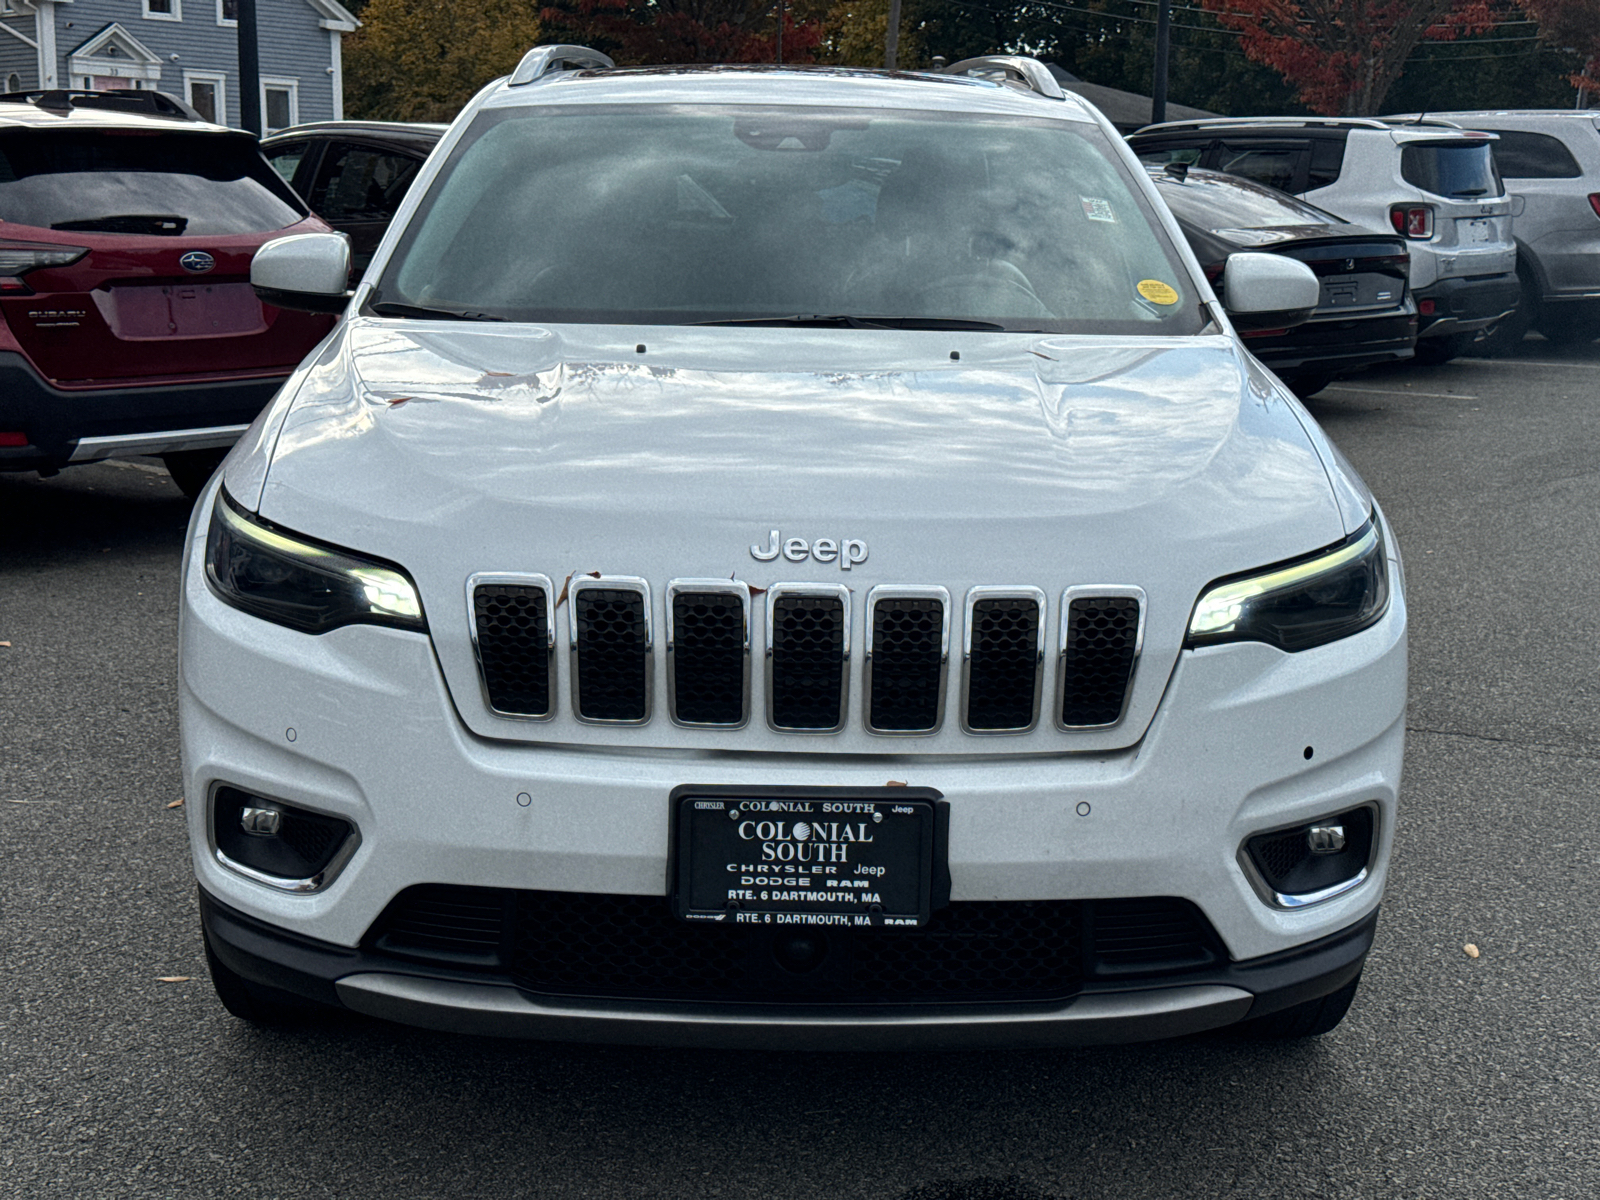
(1158, 93)
(249, 70)
(891, 38)
(780, 32)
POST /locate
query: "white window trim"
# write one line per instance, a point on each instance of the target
(175, 15)
(283, 83)
(222, 20)
(212, 77)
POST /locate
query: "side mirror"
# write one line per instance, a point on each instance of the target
(1268, 291)
(307, 272)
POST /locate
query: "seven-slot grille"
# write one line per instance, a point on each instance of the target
(907, 632)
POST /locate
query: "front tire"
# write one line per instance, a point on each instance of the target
(1313, 1018)
(191, 470)
(1306, 386)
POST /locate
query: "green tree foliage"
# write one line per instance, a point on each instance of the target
(421, 60)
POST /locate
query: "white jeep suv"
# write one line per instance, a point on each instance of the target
(789, 558)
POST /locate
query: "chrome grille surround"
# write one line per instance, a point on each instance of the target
(909, 592)
(1084, 592)
(717, 587)
(489, 579)
(991, 592)
(782, 591)
(613, 583)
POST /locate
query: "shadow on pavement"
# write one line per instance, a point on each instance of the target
(124, 508)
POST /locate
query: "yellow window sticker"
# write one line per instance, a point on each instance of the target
(1157, 292)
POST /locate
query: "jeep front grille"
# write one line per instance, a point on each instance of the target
(906, 630)
(514, 640)
(708, 652)
(908, 648)
(611, 650)
(1004, 659)
(1101, 634)
(808, 657)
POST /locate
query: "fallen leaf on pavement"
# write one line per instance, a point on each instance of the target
(7, 645)
(172, 978)
(895, 783)
(178, 803)
(1470, 950)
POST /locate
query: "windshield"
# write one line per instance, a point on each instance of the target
(134, 182)
(653, 215)
(1451, 169)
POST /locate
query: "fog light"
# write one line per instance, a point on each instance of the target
(1325, 839)
(1316, 861)
(278, 844)
(261, 822)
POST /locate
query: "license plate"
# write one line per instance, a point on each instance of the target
(153, 312)
(1479, 231)
(818, 857)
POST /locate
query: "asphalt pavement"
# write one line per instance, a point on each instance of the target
(1453, 1076)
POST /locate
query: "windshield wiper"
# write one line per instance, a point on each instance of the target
(393, 308)
(849, 322)
(161, 224)
(1470, 192)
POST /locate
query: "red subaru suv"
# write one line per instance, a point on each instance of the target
(127, 321)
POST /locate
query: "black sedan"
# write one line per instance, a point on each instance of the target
(353, 174)
(1366, 316)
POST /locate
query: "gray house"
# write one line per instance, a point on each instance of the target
(188, 48)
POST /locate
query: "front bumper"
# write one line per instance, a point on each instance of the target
(390, 988)
(1466, 305)
(87, 424)
(358, 724)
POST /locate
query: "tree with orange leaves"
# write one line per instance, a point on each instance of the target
(1345, 55)
(1574, 24)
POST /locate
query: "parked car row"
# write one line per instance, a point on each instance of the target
(1500, 210)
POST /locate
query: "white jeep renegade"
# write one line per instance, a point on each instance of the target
(789, 558)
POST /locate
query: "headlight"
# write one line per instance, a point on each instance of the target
(1318, 600)
(301, 584)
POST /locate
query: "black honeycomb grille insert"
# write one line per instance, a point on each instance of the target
(514, 647)
(612, 655)
(907, 664)
(440, 923)
(583, 944)
(1147, 935)
(1003, 673)
(632, 946)
(807, 662)
(708, 658)
(1097, 659)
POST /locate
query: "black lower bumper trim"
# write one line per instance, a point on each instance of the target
(1461, 305)
(55, 419)
(312, 970)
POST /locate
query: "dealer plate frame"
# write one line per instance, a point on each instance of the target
(935, 890)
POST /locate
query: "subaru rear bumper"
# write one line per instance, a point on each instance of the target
(84, 425)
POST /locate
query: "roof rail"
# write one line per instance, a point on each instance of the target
(1012, 68)
(64, 100)
(1296, 122)
(1422, 119)
(541, 60)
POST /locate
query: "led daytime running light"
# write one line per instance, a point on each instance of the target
(1221, 609)
(387, 595)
